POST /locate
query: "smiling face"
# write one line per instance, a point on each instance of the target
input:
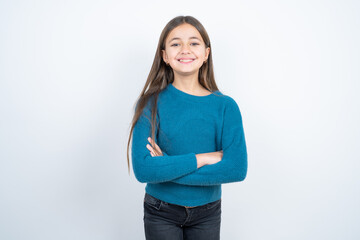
(185, 50)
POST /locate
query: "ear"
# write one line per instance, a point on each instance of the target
(164, 56)
(207, 52)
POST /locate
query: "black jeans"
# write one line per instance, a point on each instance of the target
(164, 221)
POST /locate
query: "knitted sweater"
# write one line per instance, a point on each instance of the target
(189, 125)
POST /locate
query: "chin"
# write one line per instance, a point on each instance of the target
(190, 72)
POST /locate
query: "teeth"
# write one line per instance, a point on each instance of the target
(183, 60)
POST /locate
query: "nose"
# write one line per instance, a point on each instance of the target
(185, 49)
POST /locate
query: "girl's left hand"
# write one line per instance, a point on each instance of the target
(156, 151)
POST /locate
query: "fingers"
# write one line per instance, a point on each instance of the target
(152, 153)
(154, 149)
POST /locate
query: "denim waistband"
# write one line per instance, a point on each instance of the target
(155, 201)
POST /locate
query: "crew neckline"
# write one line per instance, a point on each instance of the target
(185, 95)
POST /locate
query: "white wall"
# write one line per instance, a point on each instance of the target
(70, 72)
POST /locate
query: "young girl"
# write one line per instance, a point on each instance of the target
(188, 137)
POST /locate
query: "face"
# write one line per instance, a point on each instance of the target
(185, 50)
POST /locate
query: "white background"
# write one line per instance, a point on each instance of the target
(70, 72)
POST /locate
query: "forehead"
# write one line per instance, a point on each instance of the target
(184, 32)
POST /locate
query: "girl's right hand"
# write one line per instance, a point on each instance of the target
(209, 158)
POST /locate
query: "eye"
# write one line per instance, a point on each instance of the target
(175, 44)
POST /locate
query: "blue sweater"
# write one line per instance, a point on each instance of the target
(190, 125)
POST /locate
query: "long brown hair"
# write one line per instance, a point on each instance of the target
(161, 75)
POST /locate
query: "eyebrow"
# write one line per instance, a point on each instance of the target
(176, 38)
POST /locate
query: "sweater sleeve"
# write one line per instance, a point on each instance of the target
(157, 169)
(233, 166)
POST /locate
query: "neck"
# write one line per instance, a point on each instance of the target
(188, 83)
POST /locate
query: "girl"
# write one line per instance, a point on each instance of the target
(188, 137)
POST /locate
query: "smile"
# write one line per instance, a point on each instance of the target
(186, 61)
